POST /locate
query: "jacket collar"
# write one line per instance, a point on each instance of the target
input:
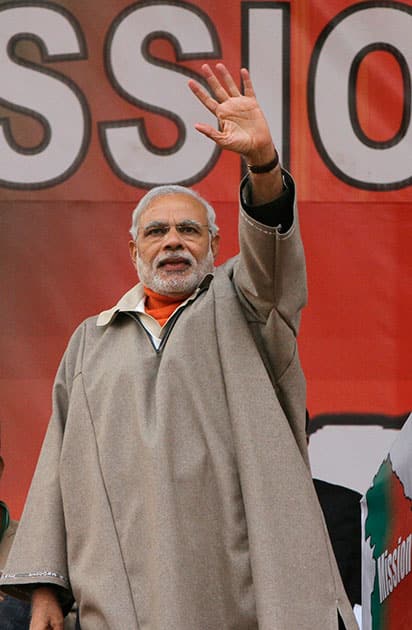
(129, 301)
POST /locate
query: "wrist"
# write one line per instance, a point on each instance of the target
(42, 593)
(264, 162)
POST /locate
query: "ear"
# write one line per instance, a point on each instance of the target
(133, 252)
(214, 245)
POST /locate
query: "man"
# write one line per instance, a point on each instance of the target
(184, 507)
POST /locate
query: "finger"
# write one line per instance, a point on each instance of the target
(203, 96)
(247, 83)
(209, 131)
(231, 86)
(214, 84)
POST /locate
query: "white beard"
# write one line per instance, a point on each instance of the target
(174, 282)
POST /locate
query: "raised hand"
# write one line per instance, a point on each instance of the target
(242, 126)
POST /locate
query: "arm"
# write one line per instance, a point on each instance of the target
(270, 275)
(38, 555)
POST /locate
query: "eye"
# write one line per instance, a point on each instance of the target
(187, 229)
(156, 231)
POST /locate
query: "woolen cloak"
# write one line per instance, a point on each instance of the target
(173, 490)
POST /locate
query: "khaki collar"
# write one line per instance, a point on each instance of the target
(129, 301)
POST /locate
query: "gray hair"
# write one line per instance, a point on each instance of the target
(172, 189)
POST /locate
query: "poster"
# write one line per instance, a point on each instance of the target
(387, 540)
(94, 110)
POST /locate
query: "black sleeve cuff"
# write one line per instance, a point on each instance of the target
(278, 213)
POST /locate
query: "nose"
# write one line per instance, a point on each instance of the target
(173, 240)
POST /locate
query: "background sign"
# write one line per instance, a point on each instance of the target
(94, 110)
(387, 540)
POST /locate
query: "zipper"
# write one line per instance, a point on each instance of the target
(167, 332)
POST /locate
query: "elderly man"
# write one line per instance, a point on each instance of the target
(189, 503)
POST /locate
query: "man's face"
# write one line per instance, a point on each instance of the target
(174, 249)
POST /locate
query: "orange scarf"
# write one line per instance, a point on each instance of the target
(160, 306)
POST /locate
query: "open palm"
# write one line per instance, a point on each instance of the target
(242, 125)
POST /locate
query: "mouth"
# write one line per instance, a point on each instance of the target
(171, 264)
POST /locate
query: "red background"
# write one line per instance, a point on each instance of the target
(64, 249)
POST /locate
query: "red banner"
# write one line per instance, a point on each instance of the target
(94, 109)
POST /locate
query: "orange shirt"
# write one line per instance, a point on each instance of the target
(160, 306)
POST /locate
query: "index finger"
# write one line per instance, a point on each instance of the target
(203, 96)
(215, 85)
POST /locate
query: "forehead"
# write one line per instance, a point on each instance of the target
(173, 208)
